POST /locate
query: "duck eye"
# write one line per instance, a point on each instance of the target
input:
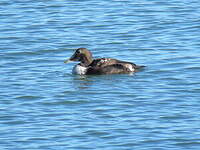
(78, 51)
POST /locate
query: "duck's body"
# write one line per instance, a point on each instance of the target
(88, 65)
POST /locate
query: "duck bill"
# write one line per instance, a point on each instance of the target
(67, 61)
(71, 59)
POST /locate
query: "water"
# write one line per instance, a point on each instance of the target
(43, 106)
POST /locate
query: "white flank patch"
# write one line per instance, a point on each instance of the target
(80, 70)
(130, 67)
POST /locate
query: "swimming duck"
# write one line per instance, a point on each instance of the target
(89, 66)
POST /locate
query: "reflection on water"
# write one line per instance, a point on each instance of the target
(82, 82)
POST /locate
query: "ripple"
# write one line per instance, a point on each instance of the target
(46, 107)
(67, 103)
(30, 97)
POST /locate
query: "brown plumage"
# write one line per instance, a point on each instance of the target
(101, 65)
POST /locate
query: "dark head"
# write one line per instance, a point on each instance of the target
(82, 55)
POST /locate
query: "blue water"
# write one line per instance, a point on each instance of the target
(44, 107)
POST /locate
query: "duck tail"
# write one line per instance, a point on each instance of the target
(139, 67)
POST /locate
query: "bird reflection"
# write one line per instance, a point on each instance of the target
(96, 81)
(82, 82)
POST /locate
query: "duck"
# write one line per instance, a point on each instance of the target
(89, 66)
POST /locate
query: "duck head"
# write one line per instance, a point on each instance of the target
(82, 55)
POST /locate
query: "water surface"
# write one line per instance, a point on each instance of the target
(44, 106)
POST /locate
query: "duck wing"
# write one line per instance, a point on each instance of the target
(110, 66)
(102, 62)
(109, 69)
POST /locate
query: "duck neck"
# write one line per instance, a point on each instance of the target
(86, 61)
